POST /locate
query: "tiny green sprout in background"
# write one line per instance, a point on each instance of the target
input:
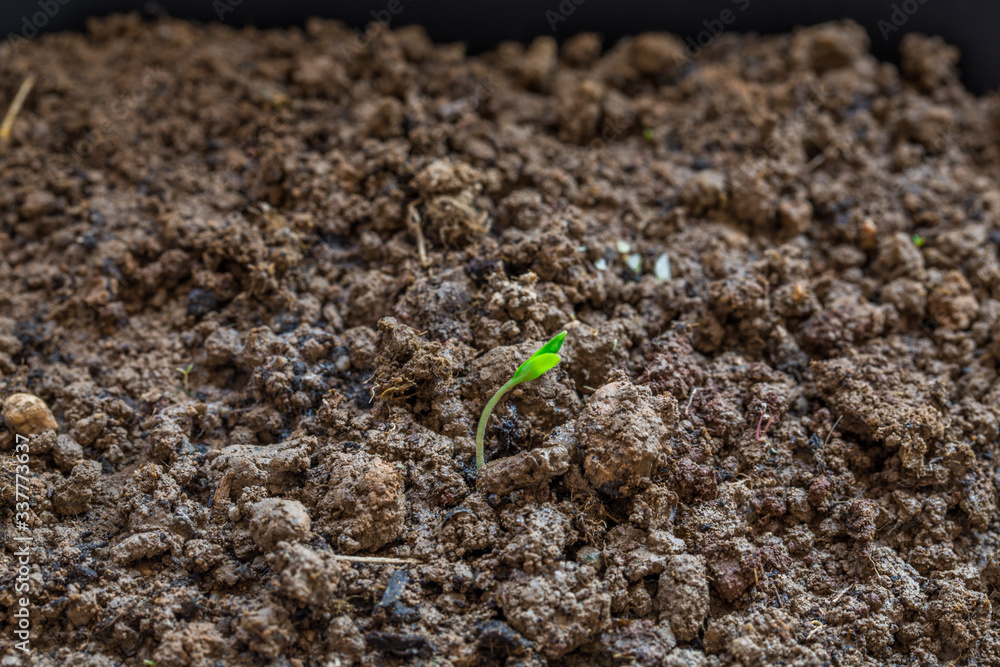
(662, 268)
(149, 663)
(647, 135)
(919, 240)
(545, 359)
(186, 372)
(634, 262)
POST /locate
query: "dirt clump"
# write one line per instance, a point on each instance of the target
(560, 610)
(623, 435)
(275, 520)
(682, 594)
(363, 506)
(524, 470)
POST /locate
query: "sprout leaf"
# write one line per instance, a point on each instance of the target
(535, 367)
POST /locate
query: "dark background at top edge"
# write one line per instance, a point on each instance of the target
(972, 25)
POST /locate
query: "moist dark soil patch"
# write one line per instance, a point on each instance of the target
(772, 440)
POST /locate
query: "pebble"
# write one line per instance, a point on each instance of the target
(66, 453)
(28, 415)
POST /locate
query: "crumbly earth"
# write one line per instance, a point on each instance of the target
(258, 286)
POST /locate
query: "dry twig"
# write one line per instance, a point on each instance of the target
(377, 559)
(15, 108)
(413, 222)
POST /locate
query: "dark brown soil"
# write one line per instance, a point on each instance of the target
(782, 450)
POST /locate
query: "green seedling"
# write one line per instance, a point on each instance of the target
(545, 359)
(647, 135)
(919, 241)
(186, 372)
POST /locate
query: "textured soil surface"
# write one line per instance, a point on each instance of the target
(256, 287)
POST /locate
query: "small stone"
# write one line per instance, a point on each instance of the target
(589, 556)
(28, 415)
(634, 262)
(730, 582)
(66, 453)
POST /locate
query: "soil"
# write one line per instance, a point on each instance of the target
(259, 285)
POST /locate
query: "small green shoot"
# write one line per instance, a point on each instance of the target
(545, 359)
(662, 268)
(186, 372)
(634, 262)
(919, 240)
(647, 135)
(149, 663)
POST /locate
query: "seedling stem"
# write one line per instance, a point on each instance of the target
(763, 416)
(15, 107)
(186, 372)
(541, 361)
